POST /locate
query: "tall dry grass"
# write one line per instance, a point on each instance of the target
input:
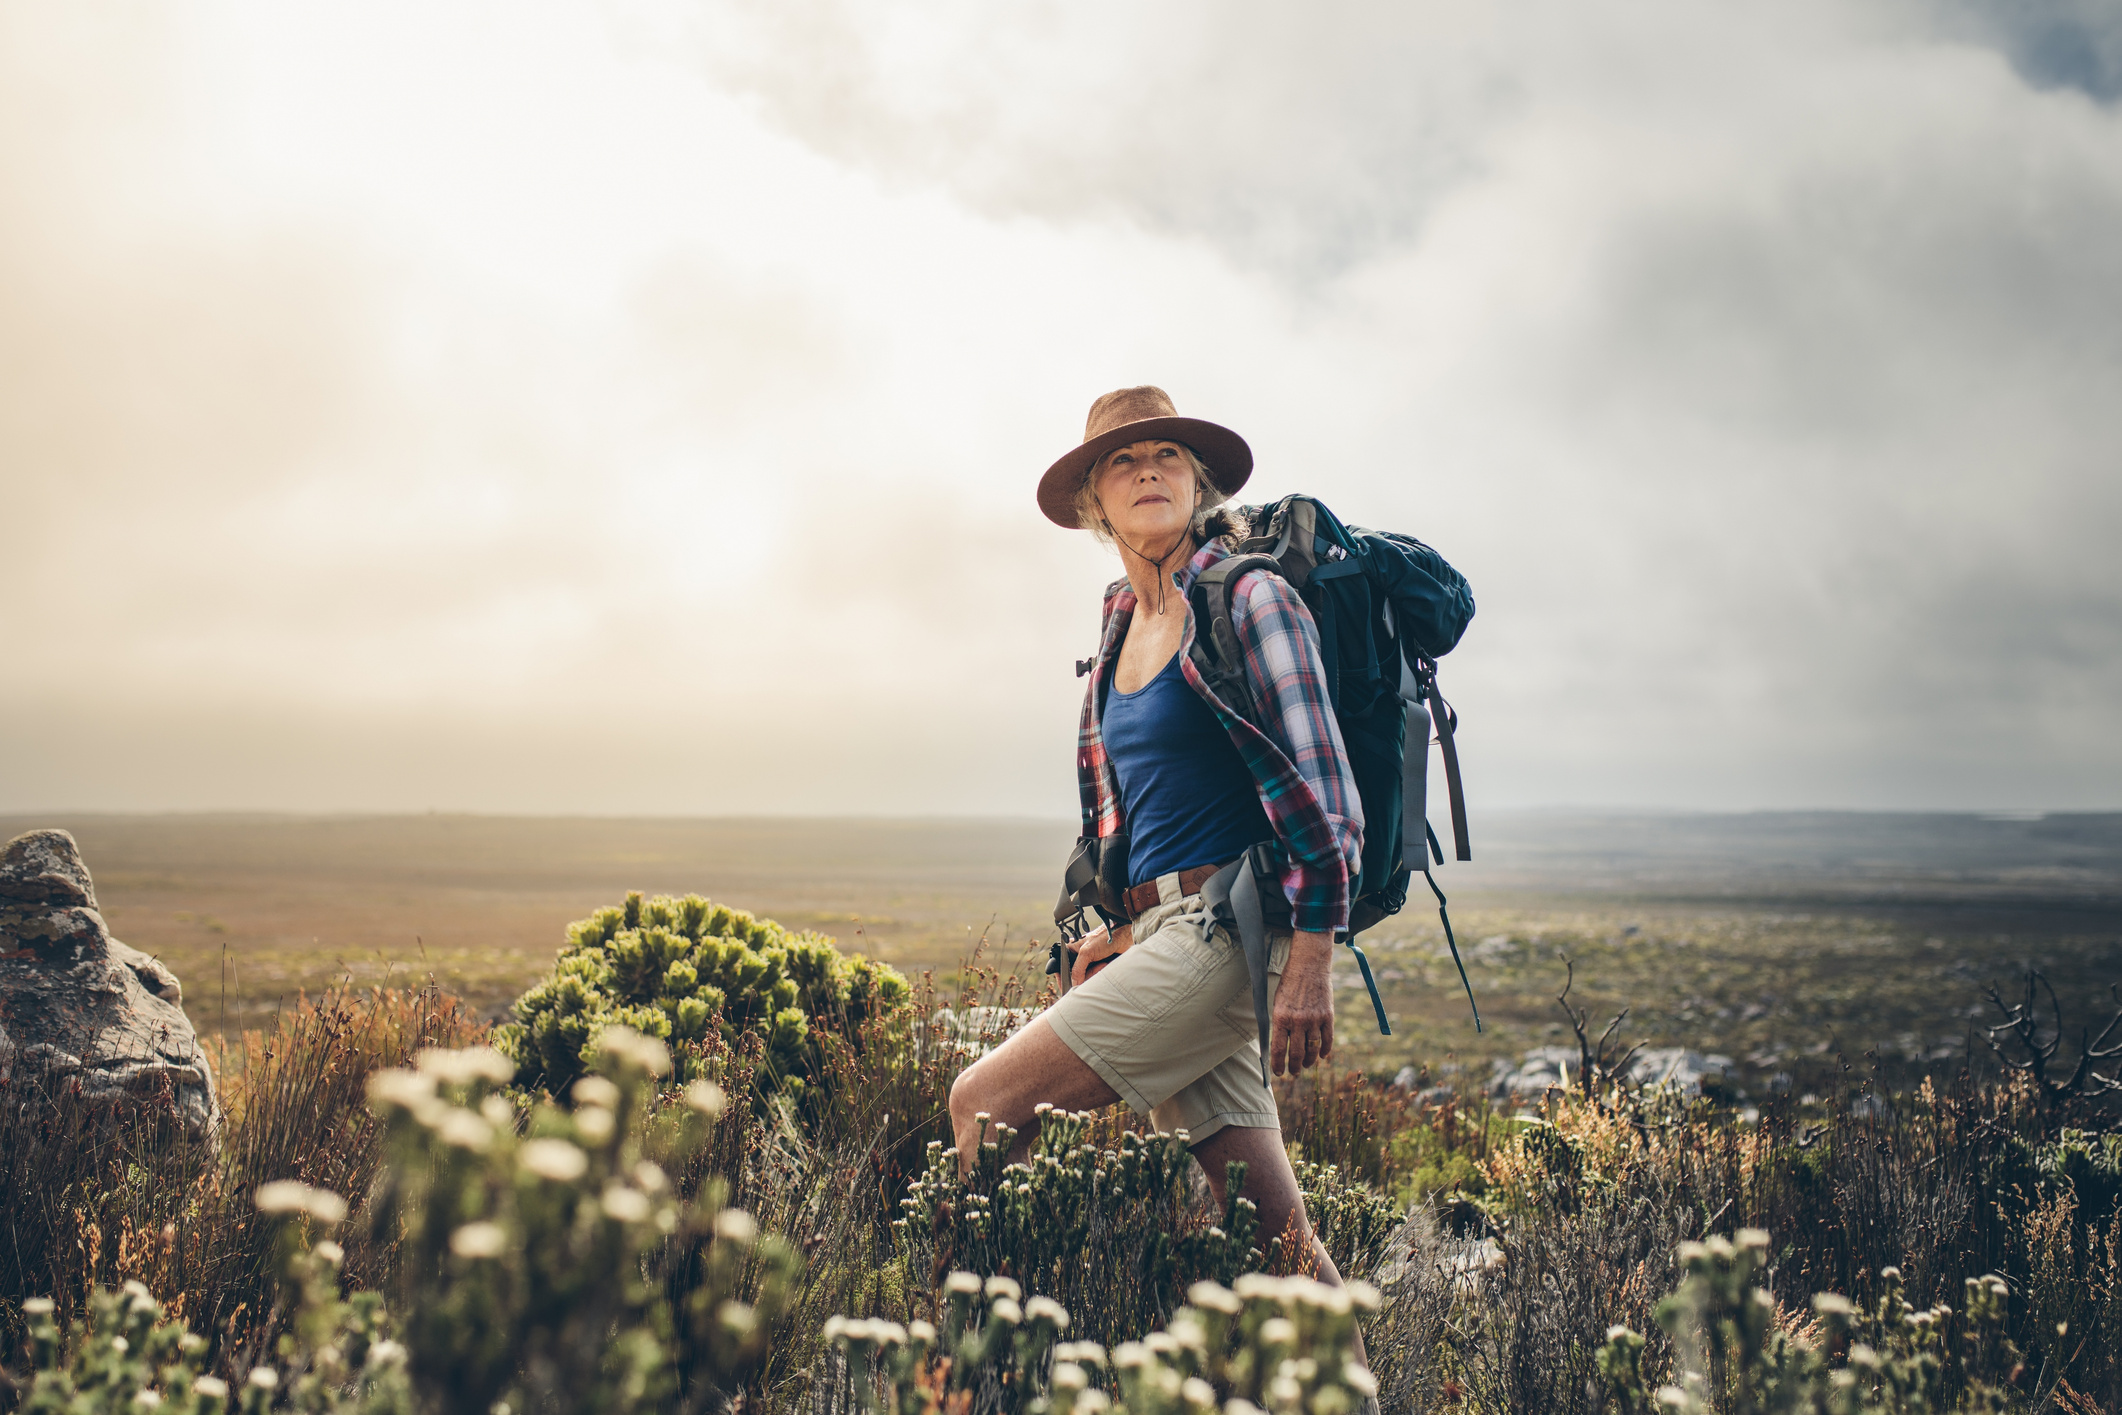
(93, 1199)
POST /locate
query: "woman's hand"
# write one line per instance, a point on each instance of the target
(1302, 1028)
(1098, 946)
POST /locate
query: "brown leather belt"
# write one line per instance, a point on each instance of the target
(1144, 897)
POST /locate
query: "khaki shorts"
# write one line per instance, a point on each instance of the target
(1169, 1023)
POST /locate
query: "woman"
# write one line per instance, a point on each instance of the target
(1160, 1011)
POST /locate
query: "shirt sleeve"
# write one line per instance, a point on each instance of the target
(1318, 817)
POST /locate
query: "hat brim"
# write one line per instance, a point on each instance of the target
(1229, 460)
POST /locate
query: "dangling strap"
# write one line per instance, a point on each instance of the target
(1377, 1003)
(1447, 726)
(1414, 779)
(1447, 918)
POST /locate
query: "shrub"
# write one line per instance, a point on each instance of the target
(530, 1273)
(1354, 1222)
(1742, 1355)
(1280, 1344)
(698, 975)
(1113, 1233)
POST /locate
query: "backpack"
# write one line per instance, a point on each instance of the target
(1387, 608)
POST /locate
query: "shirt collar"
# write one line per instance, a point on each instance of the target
(1201, 559)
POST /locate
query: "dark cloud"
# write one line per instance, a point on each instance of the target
(2054, 43)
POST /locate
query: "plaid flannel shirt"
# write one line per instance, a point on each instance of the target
(1298, 763)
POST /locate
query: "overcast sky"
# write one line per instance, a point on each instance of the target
(536, 407)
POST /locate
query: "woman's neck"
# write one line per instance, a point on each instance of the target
(1151, 579)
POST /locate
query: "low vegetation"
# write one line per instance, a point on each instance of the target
(648, 1209)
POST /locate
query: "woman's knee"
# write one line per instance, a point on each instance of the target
(969, 1095)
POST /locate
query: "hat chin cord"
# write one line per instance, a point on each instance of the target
(1186, 535)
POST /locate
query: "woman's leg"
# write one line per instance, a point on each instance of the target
(1010, 1082)
(1272, 1186)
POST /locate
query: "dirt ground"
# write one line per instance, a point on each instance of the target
(1793, 943)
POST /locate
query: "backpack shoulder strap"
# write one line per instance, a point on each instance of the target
(1216, 650)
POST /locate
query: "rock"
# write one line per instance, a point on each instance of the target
(82, 1013)
(1538, 1070)
(1544, 1068)
(1678, 1067)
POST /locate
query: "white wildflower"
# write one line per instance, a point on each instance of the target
(626, 1205)
(595, 1090)
(479, 1240)
(465, 1066)
(634, 1049)
(405, 1089)
(594, 1123)
(1046, 1309)
(1214, 1297)
(556, 1160)
(291, 1196)
(464, 1129)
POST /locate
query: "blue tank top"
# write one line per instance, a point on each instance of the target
(1188, 795)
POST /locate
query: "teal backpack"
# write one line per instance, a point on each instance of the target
(1387, 608)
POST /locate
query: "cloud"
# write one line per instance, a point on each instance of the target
(640, 414)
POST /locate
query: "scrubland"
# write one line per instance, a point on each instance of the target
(756, 1205)
(745, 1197)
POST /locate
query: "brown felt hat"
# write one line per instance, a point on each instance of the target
(1141, 415)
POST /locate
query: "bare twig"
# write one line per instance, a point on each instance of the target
(2038, 1055)
(1595, 1059)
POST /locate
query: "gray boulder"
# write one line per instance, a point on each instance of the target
(82, 1014)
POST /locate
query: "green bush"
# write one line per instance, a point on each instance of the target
(700, 976)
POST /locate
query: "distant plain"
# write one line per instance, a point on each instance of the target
(1792, 942)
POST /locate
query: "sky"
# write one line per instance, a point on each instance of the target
(622, 408)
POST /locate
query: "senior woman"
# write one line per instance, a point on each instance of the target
(1160, 1011)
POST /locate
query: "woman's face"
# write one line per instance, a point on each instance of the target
(1148, 494)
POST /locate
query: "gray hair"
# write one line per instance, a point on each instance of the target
(1207, 497)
